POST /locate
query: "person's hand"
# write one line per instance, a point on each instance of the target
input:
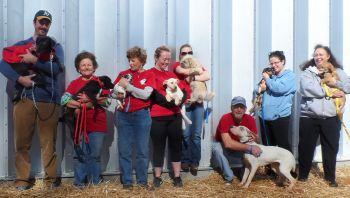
(83, 98)
(263, 86)
(338, 94)
(253, 138)
(29, 58)
(265, 75)
(123, 82)
(255, 150)
(26, 81)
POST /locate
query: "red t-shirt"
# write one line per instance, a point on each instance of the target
(139, 80)
(227, 121)
(92, 125)
(160, 76)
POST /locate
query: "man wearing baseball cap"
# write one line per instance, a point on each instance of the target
(36, 106)
(227, 150)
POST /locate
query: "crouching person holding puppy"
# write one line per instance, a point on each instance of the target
(133, 120)
(227, 150)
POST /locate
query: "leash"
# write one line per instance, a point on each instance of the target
(207, 112)
(80, 126)
(52, 93)
(330, 95)
(337, 107)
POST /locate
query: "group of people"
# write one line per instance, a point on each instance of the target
(146, 114)
(318, 116)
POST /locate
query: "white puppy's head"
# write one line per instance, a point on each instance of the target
(242, 132)
(171, 84)
(189, 62)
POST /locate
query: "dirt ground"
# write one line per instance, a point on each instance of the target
(210, 184)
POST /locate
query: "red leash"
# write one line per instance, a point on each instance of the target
(80, 126)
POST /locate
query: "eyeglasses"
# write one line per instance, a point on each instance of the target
(185, 53)
(275, 63)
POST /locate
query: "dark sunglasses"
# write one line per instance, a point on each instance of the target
(185, 53)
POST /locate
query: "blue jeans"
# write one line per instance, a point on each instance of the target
(225, 159)
(133, 133)
(90, 168)
(191, 145)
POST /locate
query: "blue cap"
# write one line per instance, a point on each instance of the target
(238, 100)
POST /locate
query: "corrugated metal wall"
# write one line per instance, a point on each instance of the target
(231, 37)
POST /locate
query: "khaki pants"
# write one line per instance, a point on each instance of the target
(26, 117)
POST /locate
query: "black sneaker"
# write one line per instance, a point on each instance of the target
(228, 182)
(185, 167)
(127, 186)
(178, 182)
(23, 188)
(302, 179)
(157, 182)
(194, 170)
(333, 184)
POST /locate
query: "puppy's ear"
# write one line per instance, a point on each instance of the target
(177, 81)
(165, 82)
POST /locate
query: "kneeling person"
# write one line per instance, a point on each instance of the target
(227, 150)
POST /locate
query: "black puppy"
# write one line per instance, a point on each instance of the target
(92, 89)
(44, 48)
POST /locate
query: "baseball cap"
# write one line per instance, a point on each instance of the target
(43, 14)
(238, 100)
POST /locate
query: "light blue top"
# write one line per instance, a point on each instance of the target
(278, 98)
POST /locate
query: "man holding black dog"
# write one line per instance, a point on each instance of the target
(227, 150)
(36, 105)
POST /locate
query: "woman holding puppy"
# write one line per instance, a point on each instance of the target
(133, 118)
(166, 121)
(87, 166)
(278, 91)
(191, 148)
(319, 115)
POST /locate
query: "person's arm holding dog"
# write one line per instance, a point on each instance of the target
(232, 144)
(137, 92)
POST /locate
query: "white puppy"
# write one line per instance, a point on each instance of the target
(120, 90)
(282, 161)
(174, 92)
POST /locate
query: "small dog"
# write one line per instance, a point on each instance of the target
(173, 91)
(44, 49)
(92, 89)
(328, 79)
(257, 102)
(120, 90)
(199, 88)
(282, 161)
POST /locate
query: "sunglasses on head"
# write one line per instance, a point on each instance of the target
(185, 53)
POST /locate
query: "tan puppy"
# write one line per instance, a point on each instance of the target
(173, 91)
(199, 89)
(329, 79)
(282, 161)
